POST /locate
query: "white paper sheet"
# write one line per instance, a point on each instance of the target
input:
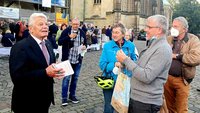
(66, 66)
(80, 51)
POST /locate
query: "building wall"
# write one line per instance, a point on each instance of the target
(104, 14)
(129, 20)
(142, 23)
(27, 7)
(25, 14)
(99, 14)
(77, 9)
(109, 12)
(168, 13)
(92, 10)
(112, 11)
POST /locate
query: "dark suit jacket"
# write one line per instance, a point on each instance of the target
(52, 39)
(53, 28)
(33, 89)
(67, 43)
(7, 40)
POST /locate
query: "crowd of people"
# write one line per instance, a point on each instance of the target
(19, 30)
(162, 71)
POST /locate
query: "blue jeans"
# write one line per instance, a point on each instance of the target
(73, 84)
(107, 100)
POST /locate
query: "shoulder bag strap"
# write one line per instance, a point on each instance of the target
(104, 70)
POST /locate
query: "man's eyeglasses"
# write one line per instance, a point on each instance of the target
(150, 27)
(116, 32)
(75, 24)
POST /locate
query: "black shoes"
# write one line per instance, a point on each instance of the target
(64, 102)
(74, 100)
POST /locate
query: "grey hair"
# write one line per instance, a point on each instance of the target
(8, 31)
(183, 21)
(121, 26)
(33, 16)
(75, 19)
(161, 21)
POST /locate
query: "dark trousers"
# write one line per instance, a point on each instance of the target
(33, 109)
(139, 107)
(107, 100)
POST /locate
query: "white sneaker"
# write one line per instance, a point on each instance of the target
(64, 104)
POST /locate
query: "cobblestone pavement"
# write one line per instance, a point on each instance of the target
(91, 98)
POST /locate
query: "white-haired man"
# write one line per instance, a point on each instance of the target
(185, 58)
(150, 72)
(31, 69)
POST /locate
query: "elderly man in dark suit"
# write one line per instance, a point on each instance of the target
(32, 71)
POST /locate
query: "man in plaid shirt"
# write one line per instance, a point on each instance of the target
(71, 40)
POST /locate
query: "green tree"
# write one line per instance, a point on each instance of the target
(190, 9)
(172, 2)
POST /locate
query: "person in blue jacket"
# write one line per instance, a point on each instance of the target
(108, 59)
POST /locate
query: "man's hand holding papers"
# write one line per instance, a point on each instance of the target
(66, 66)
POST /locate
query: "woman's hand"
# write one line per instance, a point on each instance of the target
(118, 64)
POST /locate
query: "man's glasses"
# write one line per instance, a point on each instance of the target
(116, 32)
(75, 24)
(150, 27)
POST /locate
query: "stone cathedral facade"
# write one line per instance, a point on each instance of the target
(132, 13)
